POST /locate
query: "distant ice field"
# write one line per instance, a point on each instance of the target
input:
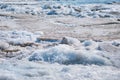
(77, 2)
(76, 8)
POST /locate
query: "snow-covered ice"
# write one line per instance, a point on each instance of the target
(19, 37)
(65, 52)
(65, 55)
(25, 70)
(68, 59)
(28, 52)
(56, 8)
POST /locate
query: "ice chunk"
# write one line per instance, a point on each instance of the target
(52, 12)
(108, 47)
(69, 41)
(3, 45)
(87, 43)
(19, 37)
(65, 54)
(116, 44)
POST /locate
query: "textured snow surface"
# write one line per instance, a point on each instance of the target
(88, 60)
(24, 70)
(65, 55)
(41, 8)
(26, 55)
(19, 37)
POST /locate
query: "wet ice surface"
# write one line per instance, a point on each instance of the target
(67, 59)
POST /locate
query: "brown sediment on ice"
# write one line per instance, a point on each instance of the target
(81, 28)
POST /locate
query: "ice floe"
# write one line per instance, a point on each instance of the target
(24, 44)
(56, 8)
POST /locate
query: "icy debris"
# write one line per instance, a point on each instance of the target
(108, 47)
(28, 44)
(68, 51)
(65, 54)
(56, 8)
(25, 70)
(39, 33)
(52, 12)
(110, 52)
(46, 6)
(14, 43)
(77, 9)
(118, 19)
(19, 37)
(46, 40)
(115, 43)
(3, 45)
(70, 41)
(9, 53)
(87, 43)
(90, 45)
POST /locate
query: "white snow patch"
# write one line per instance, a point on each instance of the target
(3, 45)
(25, 70)
(19, 37)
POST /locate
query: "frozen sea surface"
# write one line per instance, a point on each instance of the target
(63, 8)
(25, 55)
(67, 59)
(77, 2)
(24, 70)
